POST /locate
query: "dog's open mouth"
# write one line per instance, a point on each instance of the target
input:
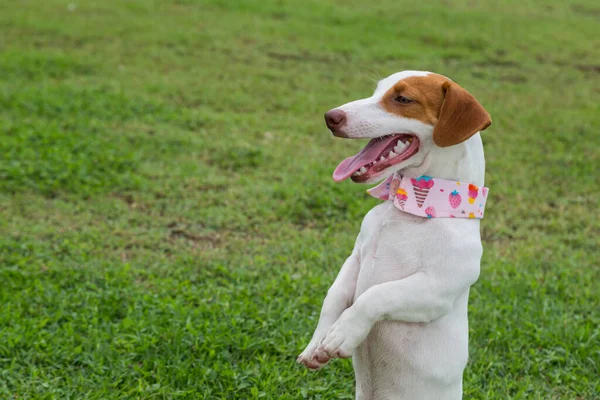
(380, 153)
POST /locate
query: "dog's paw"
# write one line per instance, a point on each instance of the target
(309, 358)
(344, 336)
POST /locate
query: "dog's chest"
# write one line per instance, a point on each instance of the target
(394, 244)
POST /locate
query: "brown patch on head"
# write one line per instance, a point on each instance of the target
(427, 97)
(436, 100)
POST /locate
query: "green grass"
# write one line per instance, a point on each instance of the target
(169, 226)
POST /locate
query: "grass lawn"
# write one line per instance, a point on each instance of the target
(168, 221)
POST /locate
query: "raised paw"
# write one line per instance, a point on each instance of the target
(344, 336)
(309, 358)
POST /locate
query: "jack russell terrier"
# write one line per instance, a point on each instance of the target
(399, 303)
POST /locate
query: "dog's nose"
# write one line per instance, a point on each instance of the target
(335, 119)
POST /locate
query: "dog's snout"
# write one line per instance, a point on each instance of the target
(335, 119)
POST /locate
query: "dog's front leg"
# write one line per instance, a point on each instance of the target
(421, 297)
(339, 298)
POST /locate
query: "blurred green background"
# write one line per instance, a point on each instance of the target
(168, 221)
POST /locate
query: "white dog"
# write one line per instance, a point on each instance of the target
(399, 303)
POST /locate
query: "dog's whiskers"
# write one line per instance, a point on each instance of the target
(377, 77)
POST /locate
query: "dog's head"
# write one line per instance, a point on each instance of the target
(410, 113)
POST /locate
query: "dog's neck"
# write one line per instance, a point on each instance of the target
(462, 162)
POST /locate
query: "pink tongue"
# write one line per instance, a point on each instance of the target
(367, 155)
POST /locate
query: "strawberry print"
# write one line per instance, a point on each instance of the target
(454, 199)
(430, 212)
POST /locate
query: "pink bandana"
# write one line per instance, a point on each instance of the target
(433, 197)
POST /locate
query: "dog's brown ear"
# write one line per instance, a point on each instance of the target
(461, 116)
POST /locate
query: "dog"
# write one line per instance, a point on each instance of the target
(399, 303)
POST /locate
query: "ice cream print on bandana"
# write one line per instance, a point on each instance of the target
(421, 187)
(430, 197)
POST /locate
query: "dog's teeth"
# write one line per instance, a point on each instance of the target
(382, 158)
(392, 154)
(363, 170)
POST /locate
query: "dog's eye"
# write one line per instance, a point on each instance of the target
(403, 100)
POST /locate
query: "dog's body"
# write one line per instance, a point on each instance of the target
(399, 303)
